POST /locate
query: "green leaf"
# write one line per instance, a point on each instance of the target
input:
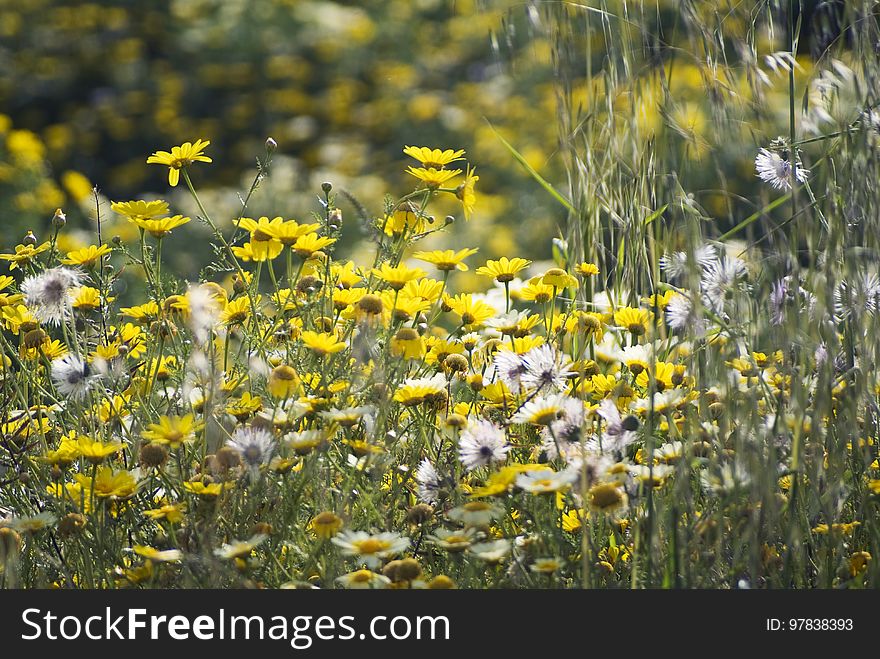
(657, 213)
(531, 170)
(756, 215)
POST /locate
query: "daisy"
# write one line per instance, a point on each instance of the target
(48, 295)
(369, 548)
(240, 548)
(255, 446)
(474, 513)
(777, 171)
(491, 552)
(362, 579)
(180, 157)
(545, 481)
(541, 410)
(453, 541)
(482, 444)
(72, 377)
(545, 367)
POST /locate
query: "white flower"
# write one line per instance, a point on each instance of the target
(481, 444)
(719, 277)
(494, 551)
(363, 579)
(617, 435)
(49, 296)
(545, 367)
(541, 410)
(370, 548)
(680, 315)
(663, 401)
(564, 434)
(255, 445)
(544, 481)
(676, 264)
(777, 171)
(72, 376)
(509, 367)
(428, 481)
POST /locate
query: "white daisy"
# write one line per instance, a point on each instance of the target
(255, 445)
(370, 548)
(481, 444)
(49, 296)
(541, 410)
(619, 432)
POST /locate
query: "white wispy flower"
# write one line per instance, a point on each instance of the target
(545, 367)
(777, 171)
(676, 264)
(428, 481)
(564, 434)
(49, 295)
(680, 315)
(509, 368)
(255, 445)
(481, 444)
(72, 376)
(721, 276)
(618, 434)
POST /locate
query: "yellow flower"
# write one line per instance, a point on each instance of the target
(172, 430)
(283, 382)
(408, 343)
(160, 556)
(290, 231)
(587, 269)
(95, 451)
(433, 178)
(201, 489)
(237, 311)
(87, 298)
(535, 291)
(86, 256)
(109, 483)
(446, 260)
(503, 269)
(425, 289)
(305, 246)
(143, 313)
(397, 276)
(322, 343)
(557, 278)
(465, 193)
(140, 210)
(179, 157)
(173, 512)
(472, 312)
(403, 219)
(161, 227)
(24, 254)
(263, 245)
(344, 274)
(433, 157)
(633, 320)
(242, 408)
(325, 525)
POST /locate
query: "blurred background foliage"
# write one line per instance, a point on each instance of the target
(89, 89)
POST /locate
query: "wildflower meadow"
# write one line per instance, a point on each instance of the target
(586, 296)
